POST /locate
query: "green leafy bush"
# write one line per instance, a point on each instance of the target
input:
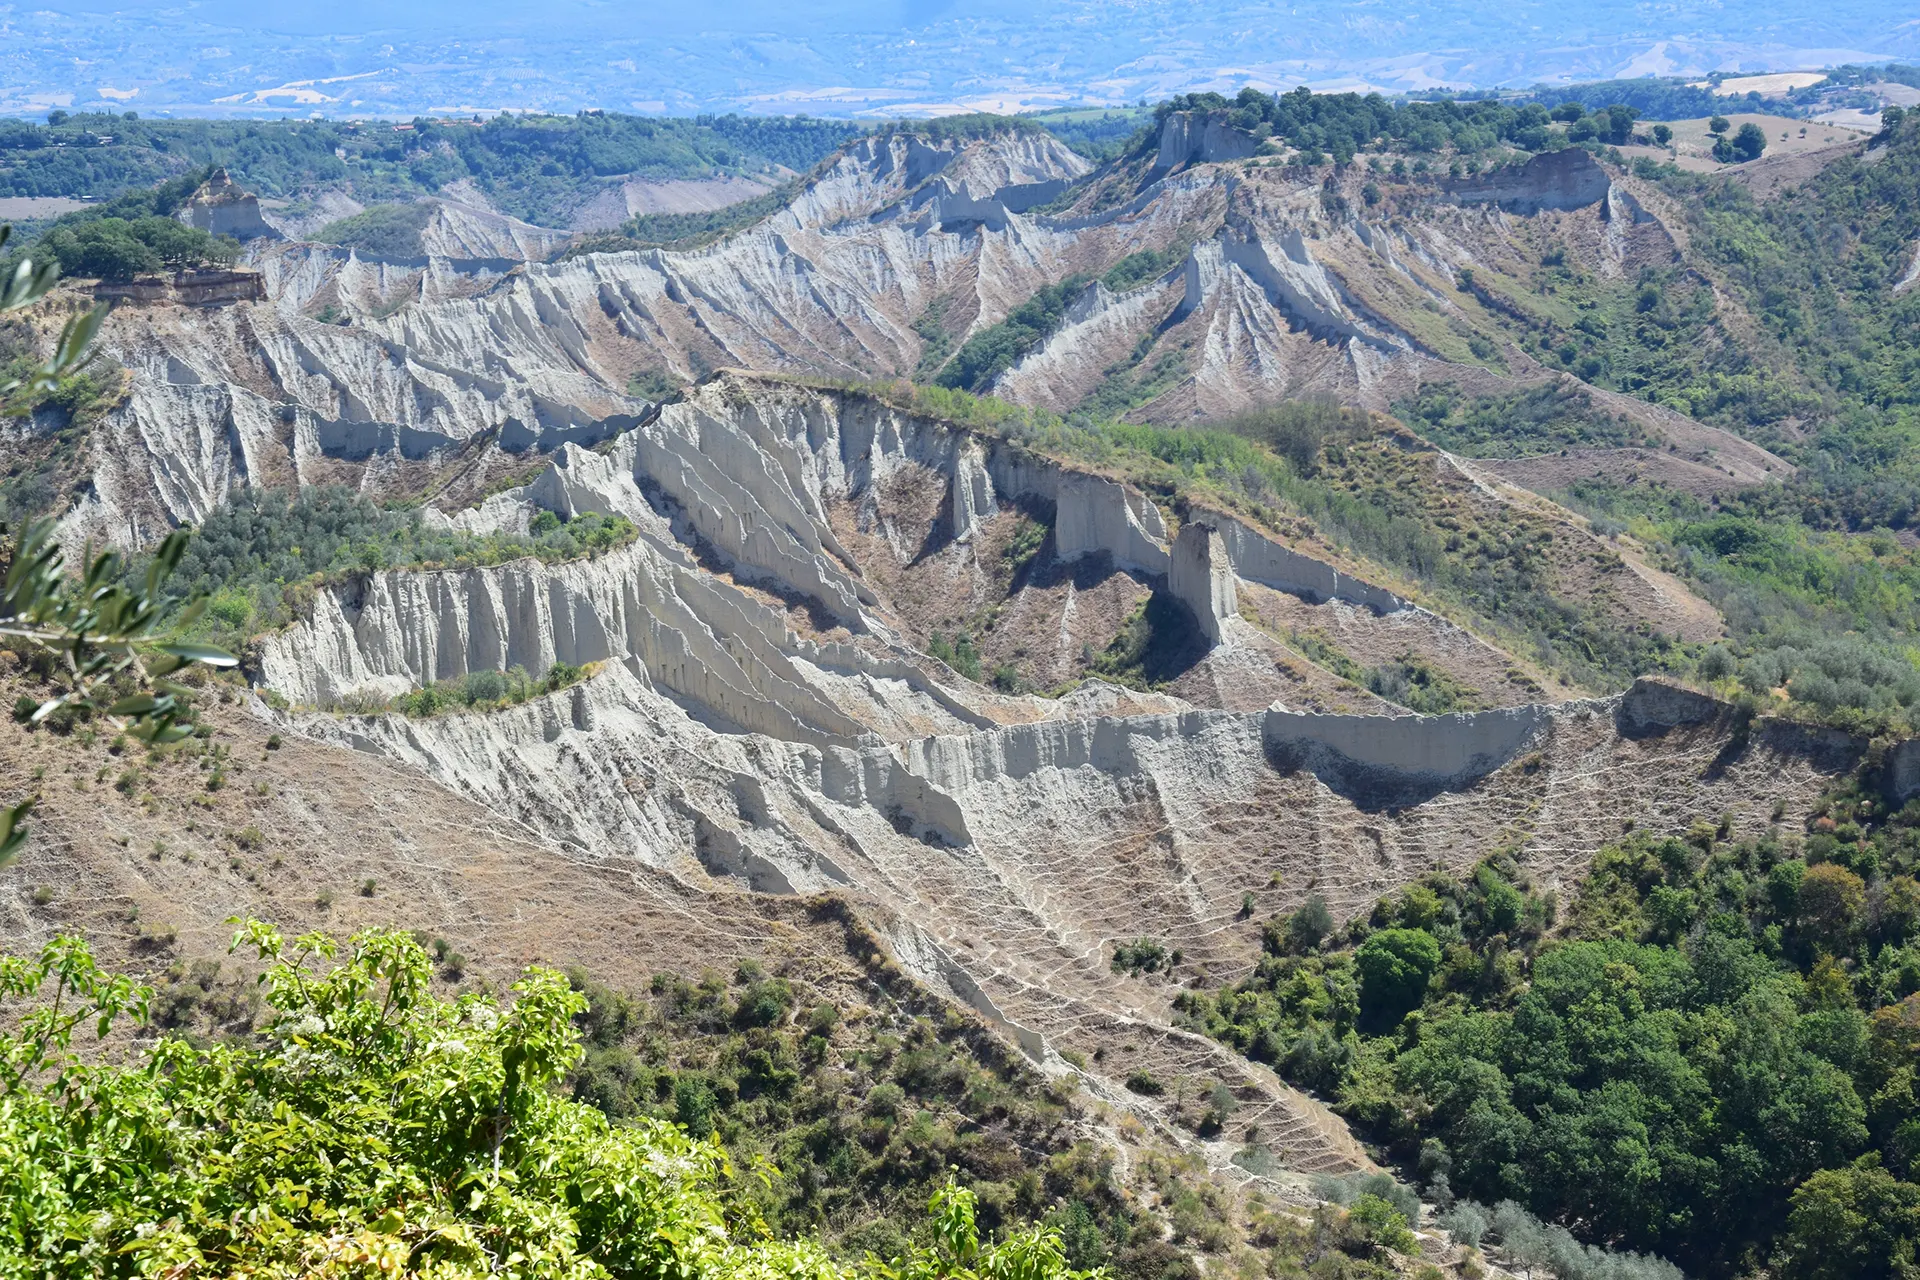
(1142, 955)
(374, 1128)
(958, 653)
(1395, 966)
(485, 690)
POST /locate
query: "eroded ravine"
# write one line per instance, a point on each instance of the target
(760, 722)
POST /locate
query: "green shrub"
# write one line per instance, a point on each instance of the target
(1142, 955)
(1309, 924)
(1379, 1223)
(957, 653)
(377, 1124)
(1395, 966)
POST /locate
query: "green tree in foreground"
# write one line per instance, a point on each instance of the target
(374, 1129)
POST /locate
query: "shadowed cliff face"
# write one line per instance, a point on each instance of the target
(1558, 180)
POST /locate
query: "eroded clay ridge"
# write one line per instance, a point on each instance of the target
(1018, 856)
(353, 369)
(761, 720)
(735, 491)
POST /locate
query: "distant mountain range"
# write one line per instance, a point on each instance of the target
(871, 58)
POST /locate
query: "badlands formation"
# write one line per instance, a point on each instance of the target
(761, 718)
(764, 717)
(1276, 288)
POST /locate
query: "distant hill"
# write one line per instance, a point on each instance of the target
(533, 167)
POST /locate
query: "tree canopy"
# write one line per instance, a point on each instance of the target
(1713, 1059)
(376, 1128)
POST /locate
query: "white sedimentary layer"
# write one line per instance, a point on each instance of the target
(1010, 841)
(746, 469)
(1200, 576)
(471, 343)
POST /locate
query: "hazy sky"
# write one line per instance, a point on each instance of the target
(497, 17)
(875, 57)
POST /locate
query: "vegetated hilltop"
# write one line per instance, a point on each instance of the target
(537, 168)
(1226, 602)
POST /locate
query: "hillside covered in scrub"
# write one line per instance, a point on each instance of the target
(1305, 685)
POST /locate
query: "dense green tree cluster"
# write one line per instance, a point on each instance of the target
(967, 127)
(134, 233)
(375, 1128)
(116, 249)
(1344, 124)
(1745, 145)
(67, 157)
(389, 231)
(1649, 97)
(1713, 1058)
(258, 557)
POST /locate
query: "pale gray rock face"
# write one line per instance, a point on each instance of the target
(1258, 558)
(1009, 841)
(1562, 180)
(220, 208)
(1912, 276)
(1189, 137)
(465, 224)
(746, 470)
(420, 359)
(1201, 577)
